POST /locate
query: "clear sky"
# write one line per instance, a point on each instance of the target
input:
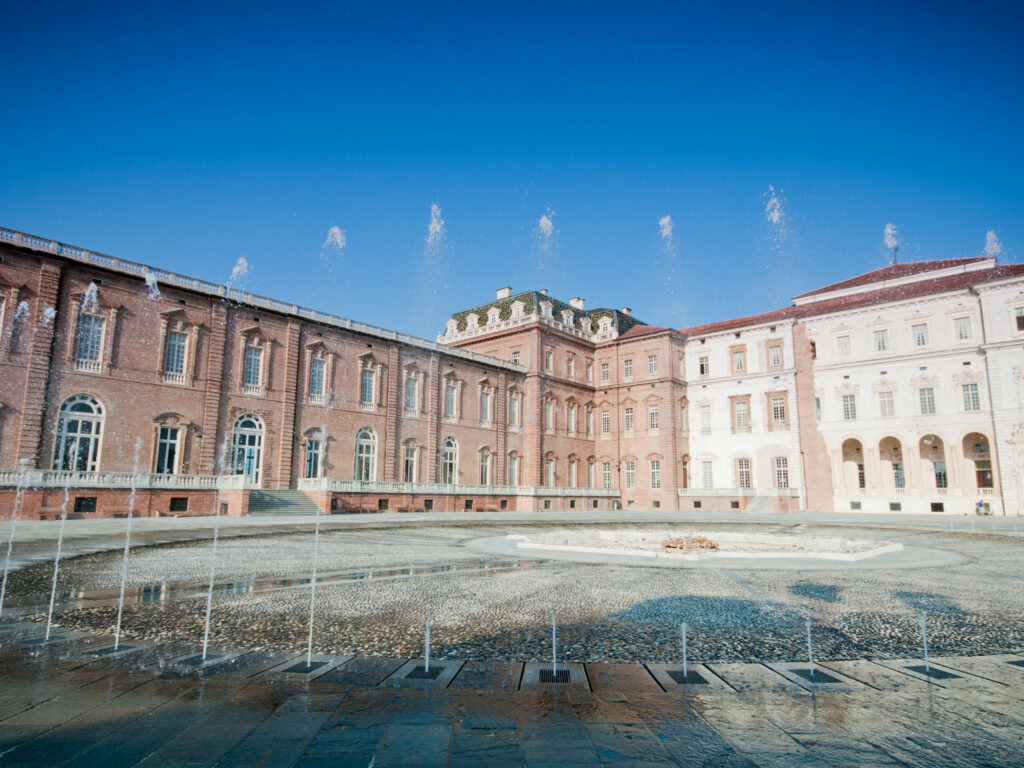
(185, 137)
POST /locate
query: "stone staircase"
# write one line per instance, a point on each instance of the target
(281, 503)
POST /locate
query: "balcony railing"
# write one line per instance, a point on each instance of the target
(89, 366)
(325, 484)
(252, 389)
(53, 478)
(170, 377)
(317, 399)
(782, 493)
(368, 407)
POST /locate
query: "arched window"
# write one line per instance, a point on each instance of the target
(449, 461)
(79, 433)
(366, 455)
(247, 447)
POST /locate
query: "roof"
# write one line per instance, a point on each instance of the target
(943, 284)
(894, 272)
(642, 330)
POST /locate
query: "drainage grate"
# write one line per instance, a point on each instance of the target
(422, 673)
(111, 649)
(690, 678)
(938, 674)
(302, 669)
(1017, 662)
(42, 640)
(554, 676)
(817, 677)
(197, 660)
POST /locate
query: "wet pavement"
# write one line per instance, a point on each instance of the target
(69, 703)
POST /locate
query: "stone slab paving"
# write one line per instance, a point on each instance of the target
(62, 706)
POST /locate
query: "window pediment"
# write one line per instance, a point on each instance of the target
(171, 419)
(178, 320)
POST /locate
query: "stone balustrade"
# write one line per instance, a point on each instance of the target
(327, 485)
(51, 478)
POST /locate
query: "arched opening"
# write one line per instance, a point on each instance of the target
(932, 451)
(366, 455)
(890, 454)
(853, 464)
(449, 461)
(247, 447)
(977, 451)
(79, 434)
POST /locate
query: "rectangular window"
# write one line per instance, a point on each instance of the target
(606, 474)
(449, 400)
(861, 478)
(881, 341)
(590, 474)
(705, 419)
(174, 357)
(571, 419)
(1017, 313)
(886, 405)
(778, 411)
(781, 472)
(704, 365)
(630, 474)
(513, 411)
(366, 397)
(962, 329)
(590, 372)
(549, 417)
(972, 398)
(707, 474)
(549, 361)
(842, 346)
(741, 410)
(927, 397)
(628, 421)
(606, 423)
(590, 422)
(655, 474)
(513, 470)
(517, 357)
(485, 407)
(817, 409)
(572, 472)
(743, 473)
(941, 480)
(920, 334)
(604, 373)
(683, 421)
(411, 395)
(627, 369)
(409, 475)
(775, 356)
(316, 379)
(312, 458)
(549, 472)
(167, 451)
(849, 407)
(570, 367)
(90, 342)
(653, 417)
(253, 370)
(739, 361)
(485, 469)
(652, 365)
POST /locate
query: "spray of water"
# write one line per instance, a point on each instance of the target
(152, 289)
(891, 240)
(22, 482)
(127, 540)
(49, 315)
(56, 558)
(434, 266)
(545, 229)
(90, 299)
(665, 226)
(554, 648)
(993, 247)
(668, 269)
(238, 272)
(773, 210)
(221, 453)
(332, 247)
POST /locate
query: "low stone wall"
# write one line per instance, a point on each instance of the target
(340, 503)
(47, 503)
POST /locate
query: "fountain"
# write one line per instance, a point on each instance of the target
(127, 540)
(426, 649)
(924, 642)
(56, 558)
(683, 628)
(810, 652)
(554, 650)
(19, 495)
(213, 552)
(316, 562)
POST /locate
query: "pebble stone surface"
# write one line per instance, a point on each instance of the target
(604, 612)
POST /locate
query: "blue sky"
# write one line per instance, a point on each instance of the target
(187, 138)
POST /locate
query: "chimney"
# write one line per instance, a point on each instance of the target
(627, 311)
(576, 303)
(504, 293)
(543, 291)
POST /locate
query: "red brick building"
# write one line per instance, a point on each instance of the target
(131, 387)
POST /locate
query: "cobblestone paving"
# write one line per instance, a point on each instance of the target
(605, 612)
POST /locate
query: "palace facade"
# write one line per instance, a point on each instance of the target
(127, 387)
